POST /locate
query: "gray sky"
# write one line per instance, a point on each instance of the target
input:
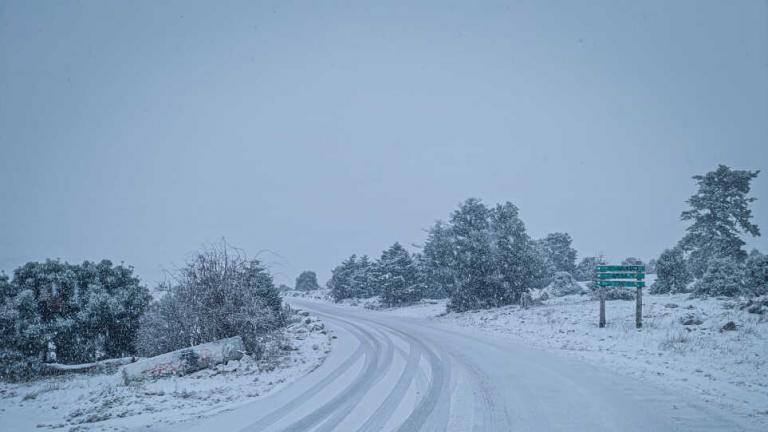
(138, 131)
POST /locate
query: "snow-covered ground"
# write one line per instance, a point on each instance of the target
(103, 403)
(681, 345)
(728, 368)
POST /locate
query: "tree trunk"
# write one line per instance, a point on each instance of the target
(185, 361)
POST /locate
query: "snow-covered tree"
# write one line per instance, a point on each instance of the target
(397, 276)
(437, 262)
(307, 281)
(341, 282)
(515, 256)
(756, 275)
(218, 294)
(720, 213)
(492, 260)
(585, 271)
(364, 279)
(476, 277)
(672, 275)
(558, 254)
(723, 277)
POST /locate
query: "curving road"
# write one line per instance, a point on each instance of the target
(405, 374)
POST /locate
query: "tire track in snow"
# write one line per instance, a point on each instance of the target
(436, 401)
(383, 413)
(339, 407)
(284, 410)
(353, 399)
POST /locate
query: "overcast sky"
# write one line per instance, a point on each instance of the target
(308, 131)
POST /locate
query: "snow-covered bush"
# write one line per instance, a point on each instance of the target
(672, 275)
(613, 293)
(723, 277)
(585, 271)
(219, 294)
(56, 311)
(756, 275)
(16, 366)
(564, 284)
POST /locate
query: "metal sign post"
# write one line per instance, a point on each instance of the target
(630, 276)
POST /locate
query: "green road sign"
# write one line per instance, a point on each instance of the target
(638, 276)
(620, 268)
(615, 283)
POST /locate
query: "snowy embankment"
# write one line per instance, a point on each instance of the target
(682, 345)
(104, 402)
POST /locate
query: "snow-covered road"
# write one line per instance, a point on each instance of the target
(410, 374)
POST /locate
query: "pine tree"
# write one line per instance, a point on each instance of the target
(558, 253)
(363, 279)
(341, 282)
(517, 262)
(476, 281)
(397, 276)
(437, 262)
(719, 214)
(672, 275)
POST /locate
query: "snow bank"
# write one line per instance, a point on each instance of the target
(687, 344)
(103, 402)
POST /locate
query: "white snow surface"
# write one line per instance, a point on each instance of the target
(103, 403)
(723, 369)
(410, 369)
(547, 368)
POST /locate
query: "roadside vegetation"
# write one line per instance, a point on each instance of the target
(482, 256)
(56, 316)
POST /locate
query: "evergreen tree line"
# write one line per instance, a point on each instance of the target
(54, 311)
(710, 259)
(481, 257)
(395, 277)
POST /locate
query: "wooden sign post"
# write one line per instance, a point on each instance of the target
(621, 276)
